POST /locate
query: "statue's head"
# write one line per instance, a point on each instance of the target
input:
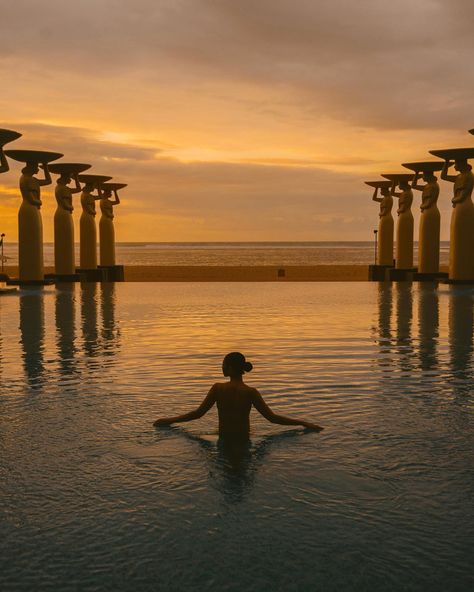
(107, 191)
(403, 184)
(429, 177)
(31, 168)
(385, 191)
(64, 179)
(89, 186)
(462, 166)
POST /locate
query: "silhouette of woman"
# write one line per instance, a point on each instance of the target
(4, 168)
(234, 400)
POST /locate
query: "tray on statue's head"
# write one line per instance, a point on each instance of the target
(114, 186)
(379, 184)
(454, 153)
(471, 131)
(7, 136)
(427, 166)
(94, 179)
(36, 156)
(397, 177)
(60, 168)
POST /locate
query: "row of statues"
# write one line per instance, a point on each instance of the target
(461, 254)
(30, 227)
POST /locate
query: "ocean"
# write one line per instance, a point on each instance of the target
(234, 253)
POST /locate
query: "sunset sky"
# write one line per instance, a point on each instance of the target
(236, 119)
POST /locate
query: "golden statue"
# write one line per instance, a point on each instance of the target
(64, 263)
(429, 231)
(30, 226)
(385, 232)
(106, 224)
(461, 248)
(404, 238)
(88, 231)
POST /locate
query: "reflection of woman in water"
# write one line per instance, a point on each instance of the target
(234, 401)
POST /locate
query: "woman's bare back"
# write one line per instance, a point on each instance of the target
(234, 403)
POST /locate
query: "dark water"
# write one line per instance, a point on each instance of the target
(93, 498)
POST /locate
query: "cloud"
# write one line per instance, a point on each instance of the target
(405, 64)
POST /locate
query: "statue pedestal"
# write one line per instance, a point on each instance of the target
(402, 275)
(430, 277)
(113, 273)
(30, 283)
(63, 277)
(91, 275)
(379, 273)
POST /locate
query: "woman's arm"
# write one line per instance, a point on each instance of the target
(117, 200)
(264, 409)
(196, 414)
(414, 183)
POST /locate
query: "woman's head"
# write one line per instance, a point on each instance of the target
(235, 364)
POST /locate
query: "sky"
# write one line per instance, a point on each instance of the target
(236, 120)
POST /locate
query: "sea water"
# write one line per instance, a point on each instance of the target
(92, 497)
(237, 253)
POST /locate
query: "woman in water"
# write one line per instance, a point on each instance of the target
(234, 401)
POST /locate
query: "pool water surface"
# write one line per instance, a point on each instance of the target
(92, 497)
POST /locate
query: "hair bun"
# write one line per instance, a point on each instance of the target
(248, 367)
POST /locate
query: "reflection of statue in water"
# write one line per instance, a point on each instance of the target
(88, 231)
(428, 322)
(234, 400)
(106, 226)
(32, 336)
(64, 225)
(428, 243)
(404, 324)
(385, 238)
(461, 324)
(404, 240)
(65, 313)
(90, 332)
(110, 332)
(383, 332)
(461, 250)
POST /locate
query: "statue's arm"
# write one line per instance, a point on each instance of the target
(117, 199)
(78, 187)
(4, 167)
(374, 196)
(47, 176)
(444, 173)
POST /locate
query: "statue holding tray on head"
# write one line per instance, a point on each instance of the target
(64, 263)
(30, 226)
(461, 250)
(428, 242)
(6, 136)
(88, 231)
(404, 239)
(385, 232)
(106, 224)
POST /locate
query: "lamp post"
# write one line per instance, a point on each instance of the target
(1, 243)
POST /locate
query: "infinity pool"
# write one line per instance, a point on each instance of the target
(93, 498)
